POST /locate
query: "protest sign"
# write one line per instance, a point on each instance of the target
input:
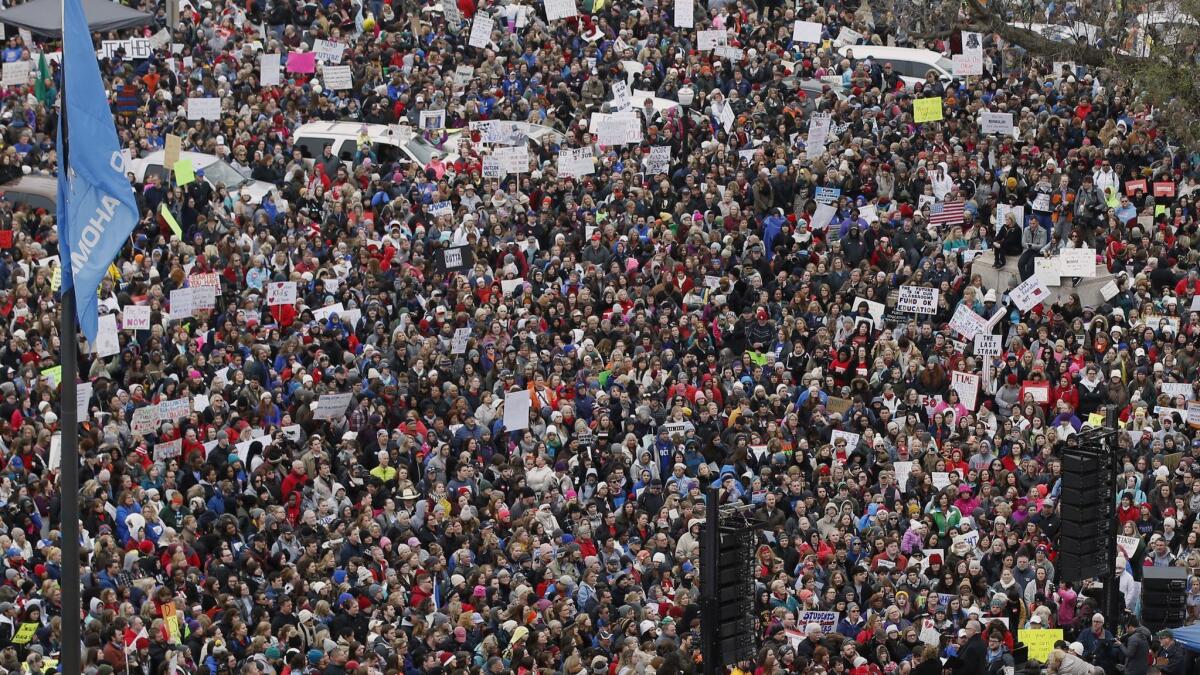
(144, 420)
(819, 126)
(481, 31)
(1193, 414)
(1040, 642)
(208, 108)
(332, 406)
(967, 323)
(168, 450)
(174, 409)
(135, 48)
(967, 386)
(463, 75)
(1039, 390)
(1004, 210)
(1132, 187)
(903, 471)
(708, 40)
(1127, 546)
(1174, 389)
(513, 159)
(560, 9)
(302, 62)
(328, 51)
(827, 620)
(847, 36)
(965, 542)
(972, 44)
(1077, 262)
(823, 216)
(456, 258)
(107, 342)
(685, 14)
(1109, 290)
(268, 70)
(807, 31)
(577, 162)
(874, 309)
(16, 73)
(281, 293)
(987, 345)
(83, 394)
(851, 438)
(917, 299)
(1029, 294)
(966, 65)
(458, 344)
(1047, 270)
(941, 479)
(516, 410)
(927, 110)
(432, 120)
(183, 303)
(337, 78)
(827, 195)
(996, 123)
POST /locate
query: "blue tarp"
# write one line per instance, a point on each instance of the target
(1188, 636)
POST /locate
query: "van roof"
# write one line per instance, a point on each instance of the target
(897, 53)
(344, 130)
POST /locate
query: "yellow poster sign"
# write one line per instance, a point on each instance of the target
(927, 110)
(1040, 642)
(171, 623)
(25, 633)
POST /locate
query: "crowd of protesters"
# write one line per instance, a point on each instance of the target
(695, 327)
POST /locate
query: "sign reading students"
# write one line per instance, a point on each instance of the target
(456, 258)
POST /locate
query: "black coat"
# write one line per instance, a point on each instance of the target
(971, 659)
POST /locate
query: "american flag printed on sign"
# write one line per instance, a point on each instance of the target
(946, 213)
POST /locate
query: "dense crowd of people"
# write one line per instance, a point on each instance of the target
(703, 323)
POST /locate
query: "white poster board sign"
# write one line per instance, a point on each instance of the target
(281, 293)
(268, 70)
(967, 323)
(16, 73)
(1077, 262)
(204, 108)
(685, 14)
(516, 410)
(967, 386)
(996, 123)
(917, 300)
(107, 342)
(807, 31)
(987, 345)
(338, 78)
(328, 51)
(481, 31)
(560, 9)
(332, 406)
(1029, 293)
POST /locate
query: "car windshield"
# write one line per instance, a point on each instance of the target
(221, 172)
(421, 149)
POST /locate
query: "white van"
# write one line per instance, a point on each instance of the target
(910, 64)
(390, 143)
(216, 171)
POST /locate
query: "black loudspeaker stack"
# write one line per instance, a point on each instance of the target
(1164, 597)
(1086, 546)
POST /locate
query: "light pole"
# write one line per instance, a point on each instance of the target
(686, 95)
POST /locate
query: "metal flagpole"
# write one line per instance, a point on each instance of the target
(72, 606)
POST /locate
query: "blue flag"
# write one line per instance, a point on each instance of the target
(96, 207)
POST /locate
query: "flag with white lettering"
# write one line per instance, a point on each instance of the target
(96, 208)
